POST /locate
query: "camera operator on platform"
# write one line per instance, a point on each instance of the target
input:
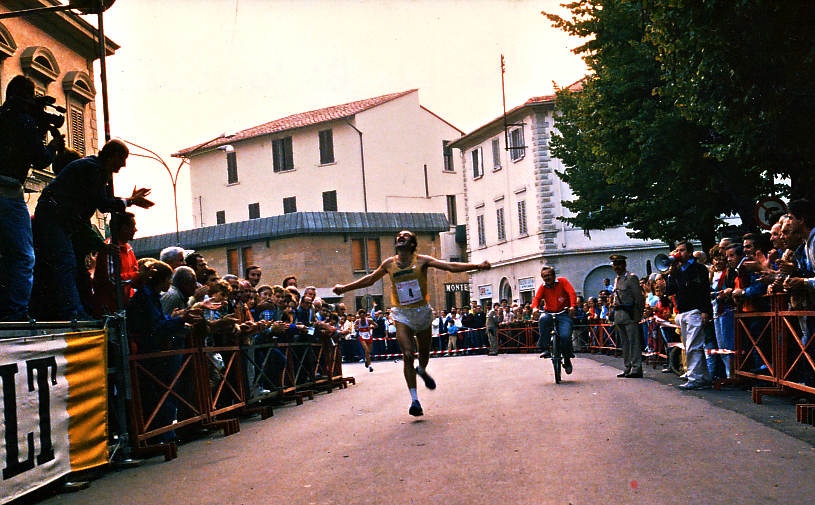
(70, 200)
(22, 147)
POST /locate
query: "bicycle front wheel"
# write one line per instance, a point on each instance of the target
(557, 360)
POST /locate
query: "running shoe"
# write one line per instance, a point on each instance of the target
(567, 365)
(370, 368)
(428, 380)
(415, 408)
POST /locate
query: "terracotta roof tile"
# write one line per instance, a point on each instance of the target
(295, 121)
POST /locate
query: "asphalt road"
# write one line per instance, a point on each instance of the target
(497, 430)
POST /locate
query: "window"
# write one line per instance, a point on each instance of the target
(238, 259)
(447, 152)
(77, 129)
(496, 154)
(232, 266)
(220, 217)
(290, 205)
(247, 258)
(516, 144)
(330, 201)
(282, 154)
(502, 234)
(365, 254)
(522, 229)
(79, 92)
(482, 237)
(451, 210)
(231, 167)
(478, 163)
(326, 147)
(254, 210)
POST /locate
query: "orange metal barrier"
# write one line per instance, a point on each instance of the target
(775, 347)
(518, 337)
(602, 336)
(209, 386)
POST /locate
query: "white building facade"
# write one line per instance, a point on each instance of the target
(387, 155)
(513, 201)
(384, 154)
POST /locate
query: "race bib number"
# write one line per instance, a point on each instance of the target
(409, 292)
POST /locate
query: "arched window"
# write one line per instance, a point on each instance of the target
(7, 44)
(40, 65)
(7, 48)
(505, 290)
(79, 92)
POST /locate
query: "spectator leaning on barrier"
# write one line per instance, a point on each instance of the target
(802, 219)
(173, 256)
(689, 281)
(723, 309)
(104, 299)
(748, 293)
(253, 274)
(181, 290)
(627, 305)
(580, 330)
(795, 267)
(150, 330)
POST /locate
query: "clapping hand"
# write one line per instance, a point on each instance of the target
(139, 198)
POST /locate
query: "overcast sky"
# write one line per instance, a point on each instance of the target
(189, 70)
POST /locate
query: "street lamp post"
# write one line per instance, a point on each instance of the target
(173, 178)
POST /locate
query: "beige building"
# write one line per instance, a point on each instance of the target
(513, 201)
(320, 249)
(382, 154)
(56, 50)
(321, 195)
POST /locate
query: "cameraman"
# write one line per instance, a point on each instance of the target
(66, 205)
(21, 148)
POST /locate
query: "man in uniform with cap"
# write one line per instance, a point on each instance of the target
(627, 303)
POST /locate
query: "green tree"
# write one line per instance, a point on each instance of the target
(745, 70)
(634, 151)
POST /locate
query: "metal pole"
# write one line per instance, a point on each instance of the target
(173, 179)
(103, 71)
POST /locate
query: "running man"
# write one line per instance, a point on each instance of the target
(411, 308)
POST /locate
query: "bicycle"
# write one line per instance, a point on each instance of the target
(557, 355)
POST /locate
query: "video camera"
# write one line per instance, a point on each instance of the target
(47, 121)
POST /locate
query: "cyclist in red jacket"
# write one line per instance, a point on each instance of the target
(555, 298)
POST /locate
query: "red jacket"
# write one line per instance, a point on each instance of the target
(104, 294)
(556, 298)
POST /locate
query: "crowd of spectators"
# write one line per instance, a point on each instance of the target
(742, 271)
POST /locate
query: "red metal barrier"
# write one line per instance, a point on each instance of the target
(602, 336)
(518, 337)
(775, 348)
(166, 396)
(208, 386)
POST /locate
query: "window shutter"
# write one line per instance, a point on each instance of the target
(78, 130)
